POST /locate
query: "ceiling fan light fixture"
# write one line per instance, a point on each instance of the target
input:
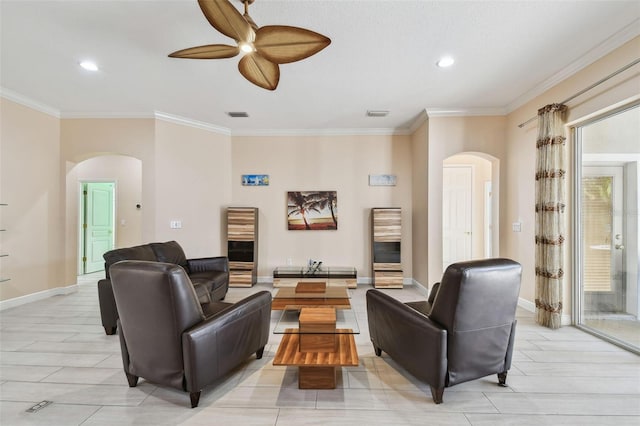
(246, 47)
(445, 62)
(89, 65)
(264, 49)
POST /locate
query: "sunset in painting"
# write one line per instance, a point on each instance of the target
(315, 210)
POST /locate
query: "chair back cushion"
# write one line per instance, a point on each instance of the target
(157, 303)
(170, 252)
(143, 252)
(476, 303)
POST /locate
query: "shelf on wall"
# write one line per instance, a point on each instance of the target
(4, 255)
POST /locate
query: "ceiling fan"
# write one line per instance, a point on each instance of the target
(264, 48)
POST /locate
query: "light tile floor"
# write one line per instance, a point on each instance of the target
(56, 350)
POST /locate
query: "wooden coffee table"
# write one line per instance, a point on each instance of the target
(317, 347)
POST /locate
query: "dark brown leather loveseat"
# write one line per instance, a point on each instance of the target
(169, 338)
(466, 332)
(209, 275)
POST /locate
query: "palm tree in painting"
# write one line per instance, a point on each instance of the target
(319, 201)
(298, 205)
(329, 200)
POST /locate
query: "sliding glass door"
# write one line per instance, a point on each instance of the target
(606, 292)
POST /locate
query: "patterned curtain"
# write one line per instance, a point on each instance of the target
(550, 203)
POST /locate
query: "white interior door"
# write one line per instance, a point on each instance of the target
(456, 214)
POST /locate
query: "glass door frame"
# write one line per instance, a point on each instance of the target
(577, 302)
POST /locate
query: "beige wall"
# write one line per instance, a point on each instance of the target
(192, 184)
(454, 135)
(319, 163)
(520, 155)
(31, 183)
(419, 192)
(81, 139)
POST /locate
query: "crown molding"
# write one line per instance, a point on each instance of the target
(321, 132)
(105, 115)
(615, 41)
(191, 123)
(464, 112)
(28, 102)
(422, 118)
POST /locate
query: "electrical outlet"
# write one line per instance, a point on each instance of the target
(175, 224)
(516, 226)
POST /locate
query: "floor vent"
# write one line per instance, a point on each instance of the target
(39, 406)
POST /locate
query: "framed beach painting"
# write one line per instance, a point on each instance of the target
(312, 210)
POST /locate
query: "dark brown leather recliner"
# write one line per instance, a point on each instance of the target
(168, 338)
(467, 332)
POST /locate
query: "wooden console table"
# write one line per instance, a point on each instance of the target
(290, 276)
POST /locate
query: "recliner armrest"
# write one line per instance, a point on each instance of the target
(411, 338)
(221, 342)
(219, 263)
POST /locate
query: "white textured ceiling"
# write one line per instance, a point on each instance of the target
(382, 57)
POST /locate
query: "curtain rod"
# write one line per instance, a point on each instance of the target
(597, 83)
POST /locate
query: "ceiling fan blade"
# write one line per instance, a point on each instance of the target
(210, 51)
(224, 17)
(282, 44)
(260, 71)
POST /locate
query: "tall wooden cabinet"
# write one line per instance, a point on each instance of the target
(242, 245)
(386, 235)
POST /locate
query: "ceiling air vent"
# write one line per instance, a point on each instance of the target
(378, 113)
(238, 114)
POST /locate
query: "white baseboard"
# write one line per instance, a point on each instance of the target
(529, 306)
(34, 297)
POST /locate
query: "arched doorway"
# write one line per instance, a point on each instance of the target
(124, 173)
(469, 207)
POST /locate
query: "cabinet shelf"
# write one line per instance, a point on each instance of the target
(386, 236)
(242, 245)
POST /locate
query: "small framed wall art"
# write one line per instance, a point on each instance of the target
(382, 180)
(255, 180)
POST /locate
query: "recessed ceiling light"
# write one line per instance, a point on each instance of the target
(238, 114)
(89, 65)
(445, 61)
(377, 113)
